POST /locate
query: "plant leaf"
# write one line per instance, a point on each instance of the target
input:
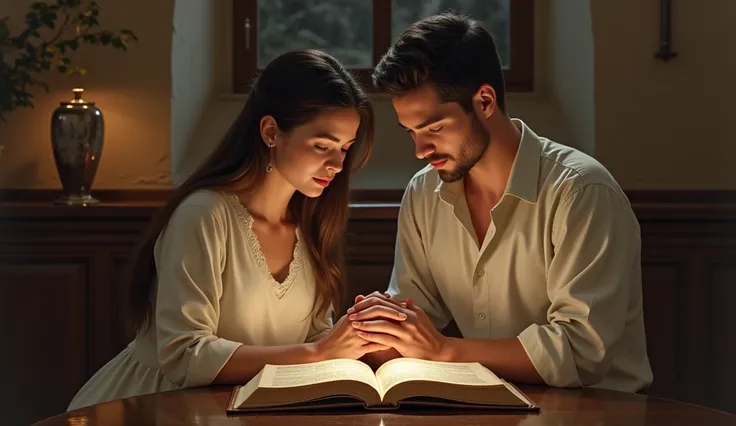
(26, 55)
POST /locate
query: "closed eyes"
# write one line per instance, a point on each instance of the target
(437, 130)
(325, 149)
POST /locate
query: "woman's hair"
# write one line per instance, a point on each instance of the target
(294, 88)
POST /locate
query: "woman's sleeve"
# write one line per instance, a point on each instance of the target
(189, 256)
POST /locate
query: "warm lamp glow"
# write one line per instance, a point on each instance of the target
(78, 92)
(78, 420)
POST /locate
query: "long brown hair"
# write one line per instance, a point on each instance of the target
(293, 88)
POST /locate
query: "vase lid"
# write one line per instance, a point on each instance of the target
(78, 92)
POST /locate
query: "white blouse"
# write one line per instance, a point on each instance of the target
(214, 293)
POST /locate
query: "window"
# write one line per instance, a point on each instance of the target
(359, 32)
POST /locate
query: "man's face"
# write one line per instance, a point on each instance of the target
(444, 134)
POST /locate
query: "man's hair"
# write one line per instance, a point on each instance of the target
(451, 51)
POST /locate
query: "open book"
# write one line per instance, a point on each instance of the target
(401, 381)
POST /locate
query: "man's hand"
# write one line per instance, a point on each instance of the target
(388, 311)
(415, 336)
(385, 296)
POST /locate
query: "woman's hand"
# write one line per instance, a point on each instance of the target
(344, 342)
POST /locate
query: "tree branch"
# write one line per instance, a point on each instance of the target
(58, 34)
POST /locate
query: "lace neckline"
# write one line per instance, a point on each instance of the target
(246, 220)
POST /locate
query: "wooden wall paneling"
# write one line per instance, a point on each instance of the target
(55, 263)
(99, 312)
(46, 352)
(695, 242)
(721, 328)
(110, 294)
(673, 311)
(119, 265)
(369, 259)
(664, 294)
(697, 386)
(69, 265)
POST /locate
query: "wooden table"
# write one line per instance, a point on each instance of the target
(206, 407)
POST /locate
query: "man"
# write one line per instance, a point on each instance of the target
(531, 246)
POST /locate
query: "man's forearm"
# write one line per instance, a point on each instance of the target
(505, 357)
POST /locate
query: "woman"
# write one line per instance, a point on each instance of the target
(242, 267)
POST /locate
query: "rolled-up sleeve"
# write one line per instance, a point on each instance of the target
(411, 276)
(596, 242)
(189, 261)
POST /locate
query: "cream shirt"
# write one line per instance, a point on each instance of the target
(214, 293)
(559, 267)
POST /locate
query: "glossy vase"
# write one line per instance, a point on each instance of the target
(77, 137)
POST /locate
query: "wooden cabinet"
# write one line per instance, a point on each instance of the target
(689, 280)
(60, 272)
(62, 269)
(45, 342)
(690, 301)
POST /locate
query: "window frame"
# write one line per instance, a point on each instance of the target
(519, 75)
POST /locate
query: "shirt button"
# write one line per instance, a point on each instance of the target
(482, 316)
(481, 273)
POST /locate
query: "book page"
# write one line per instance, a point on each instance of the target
(247, 390)
(284, 376)
(401, 370)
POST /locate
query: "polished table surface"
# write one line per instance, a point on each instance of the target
(559, 407)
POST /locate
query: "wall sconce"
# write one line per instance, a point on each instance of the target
(665, 52)
(77, 137)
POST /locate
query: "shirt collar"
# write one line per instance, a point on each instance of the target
(523, 180)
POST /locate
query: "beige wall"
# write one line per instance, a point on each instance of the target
(665, 125)
(570, 66)
(193, 59)
(165, 99)
(393, 162)
(132, 89)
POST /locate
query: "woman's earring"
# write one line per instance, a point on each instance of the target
(269, 167)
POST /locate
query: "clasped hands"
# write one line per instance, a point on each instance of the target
(380, 319)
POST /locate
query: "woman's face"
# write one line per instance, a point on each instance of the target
(310, 155)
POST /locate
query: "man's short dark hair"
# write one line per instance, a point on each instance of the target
(452, 51)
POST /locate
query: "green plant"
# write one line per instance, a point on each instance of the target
(66, 25)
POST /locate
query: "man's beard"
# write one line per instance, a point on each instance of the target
(471, 151)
